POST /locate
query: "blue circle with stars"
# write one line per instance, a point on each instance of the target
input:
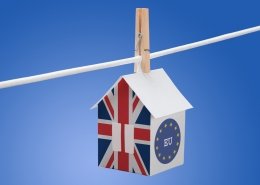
(167, 141)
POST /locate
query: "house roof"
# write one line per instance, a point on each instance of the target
(156, 91)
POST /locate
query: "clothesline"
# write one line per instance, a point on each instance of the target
(131, 60)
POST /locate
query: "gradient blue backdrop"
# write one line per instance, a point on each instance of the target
(48, 135)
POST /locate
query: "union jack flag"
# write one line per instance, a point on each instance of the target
(122, 106)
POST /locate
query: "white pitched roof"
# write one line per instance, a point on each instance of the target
(156, 91)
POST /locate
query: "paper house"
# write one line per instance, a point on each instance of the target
(141, 124)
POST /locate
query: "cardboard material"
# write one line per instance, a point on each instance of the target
(129, 139)
(116, 136)
(156, 91)
(156, 165)
(141, 124)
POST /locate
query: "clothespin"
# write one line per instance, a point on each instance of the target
(142, 40)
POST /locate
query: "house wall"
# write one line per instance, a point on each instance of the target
(156, 166)
(122, 107)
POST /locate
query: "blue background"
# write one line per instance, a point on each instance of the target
(48, 135)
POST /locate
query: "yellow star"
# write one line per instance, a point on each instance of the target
(165, 125)
(156, 147)
(157, 139)
(177, 143)
(178, 135)
(159, 155)
(171, 124)
(175, 128)
(160, 131)
(169, 157)
(174, 151)
(163, 158)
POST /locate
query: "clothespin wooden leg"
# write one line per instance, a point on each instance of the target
(142, 41)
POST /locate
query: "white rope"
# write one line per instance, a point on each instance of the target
(78, 70)
(204, 42)
(68, 72)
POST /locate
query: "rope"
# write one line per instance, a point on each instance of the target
(67, 72)
(78, 70)
(204, 42)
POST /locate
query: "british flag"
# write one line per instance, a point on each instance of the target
(122, 106)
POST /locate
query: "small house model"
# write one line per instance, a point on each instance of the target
(141, 124)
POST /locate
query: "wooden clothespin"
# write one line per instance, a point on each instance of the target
(142, 41)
